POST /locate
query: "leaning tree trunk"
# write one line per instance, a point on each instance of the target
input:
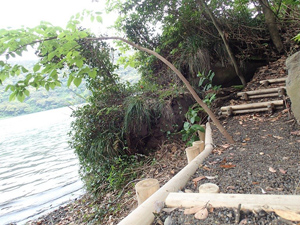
(228, 49)
(184, 80)
(271, 24)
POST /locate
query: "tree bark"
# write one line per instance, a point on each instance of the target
(228, 49)
(184, 80)
(271, 24)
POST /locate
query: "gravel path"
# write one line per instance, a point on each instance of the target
(264, 160)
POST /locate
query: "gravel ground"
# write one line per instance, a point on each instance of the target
(264, 160)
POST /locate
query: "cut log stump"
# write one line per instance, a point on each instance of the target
(145, 188)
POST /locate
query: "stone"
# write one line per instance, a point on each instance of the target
(168, 221)
(293, 83)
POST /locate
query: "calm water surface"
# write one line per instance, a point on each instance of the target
(38, 171)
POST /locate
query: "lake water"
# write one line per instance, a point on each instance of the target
(38, 171)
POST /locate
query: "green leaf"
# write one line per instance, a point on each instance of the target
(92, 74)
(61, 35)
(51, 55)
(36, 67)
(24, 70)
(47, 87)
(53, 74)
(92, 18)
(186, 125)
(26, 92)
(99, 19)
(193, 119)
(77, 81)
(52, 85)
(12, 96)
(21, 97)
(70, 79)
(79, 63)
(198, 127)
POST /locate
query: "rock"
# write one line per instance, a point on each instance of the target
(168, 221)
(293, 83)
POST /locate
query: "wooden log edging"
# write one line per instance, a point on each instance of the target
(248, 201)
(253, 105)
(272, 81)
(261, 91)
(143, 215)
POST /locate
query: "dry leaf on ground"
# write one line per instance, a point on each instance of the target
(282, 171)
(193, 210)
(278, 137)
(210, 177)
(271, 169)
(243, 222)
(199, 178)
(227, 166)
(202, 214)
(297, 133)
(288, 215)
(225, 146)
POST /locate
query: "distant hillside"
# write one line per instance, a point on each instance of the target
(41, 99)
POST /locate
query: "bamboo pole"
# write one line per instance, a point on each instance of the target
(249, 110)
(143, 215)
(261, 91)
(247, 201)
(263, 96)
(252, 105)
(271, 81)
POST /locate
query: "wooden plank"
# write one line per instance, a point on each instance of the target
(271, 81)
(253, 105)
(247, 201)
(261, 91)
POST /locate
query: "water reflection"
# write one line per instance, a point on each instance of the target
(38, 171)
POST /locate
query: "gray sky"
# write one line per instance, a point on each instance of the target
(14, 13)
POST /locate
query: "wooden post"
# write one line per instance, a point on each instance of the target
(143, 215)
(145, 188)
(202, 134)
(199, 145)
(192, 152)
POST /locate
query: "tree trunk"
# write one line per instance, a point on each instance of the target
(222, 34)
(271, 24)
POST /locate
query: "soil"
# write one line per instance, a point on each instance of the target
(265, 159)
